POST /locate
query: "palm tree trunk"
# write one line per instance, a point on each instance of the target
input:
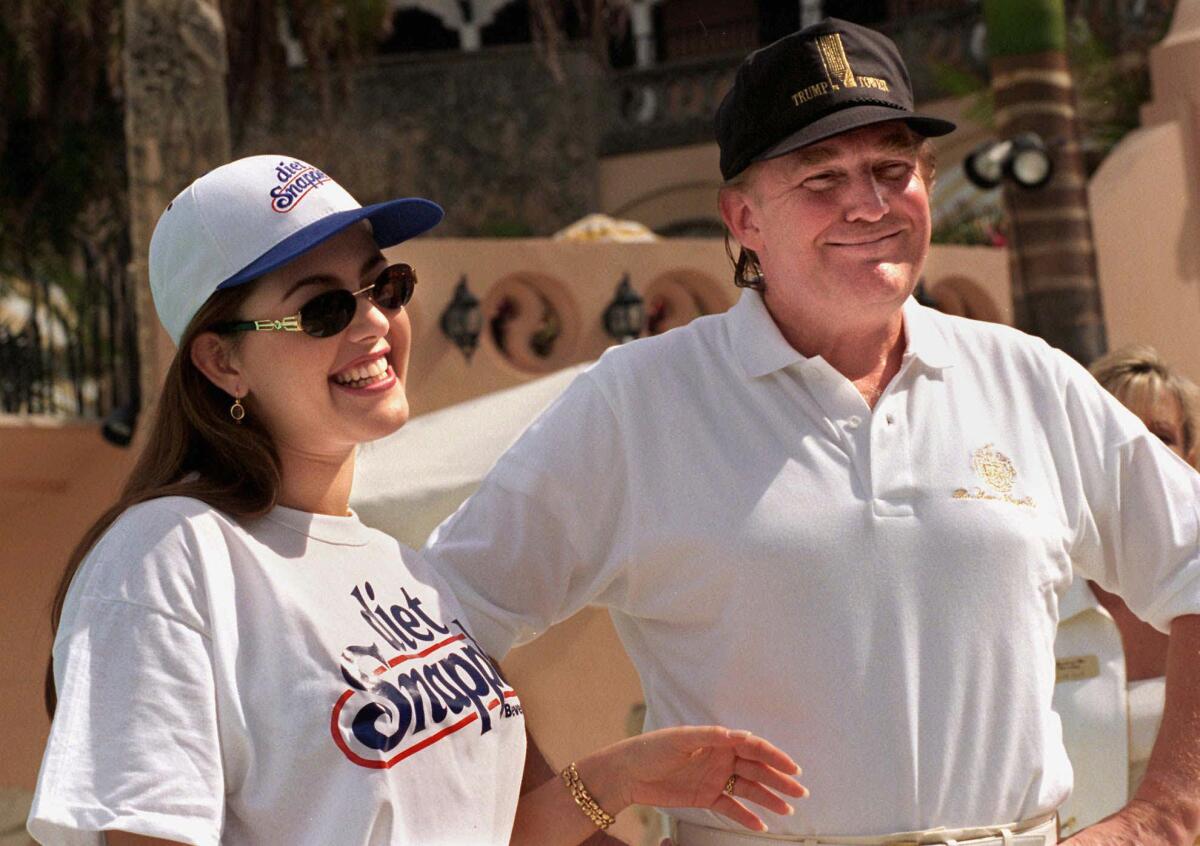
(1056, 291)
(176, 129)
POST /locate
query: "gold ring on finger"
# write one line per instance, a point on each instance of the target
(730, 782)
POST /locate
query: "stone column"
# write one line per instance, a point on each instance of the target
(811, 12)
(470, 39)
(176, 128)
(641, 19)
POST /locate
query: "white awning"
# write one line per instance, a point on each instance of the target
(408, 482)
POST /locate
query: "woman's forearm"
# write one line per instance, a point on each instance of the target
(707, 767)
(549, 816)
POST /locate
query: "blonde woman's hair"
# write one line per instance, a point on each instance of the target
(1139, 377)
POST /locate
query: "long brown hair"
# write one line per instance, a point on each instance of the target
(193, 449)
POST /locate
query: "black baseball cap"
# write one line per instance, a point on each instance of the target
(823, 80)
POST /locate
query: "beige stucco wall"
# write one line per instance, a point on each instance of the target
(1145, 204)
(55, 479)
(579, 279)
(662, 187)
(1148, 244)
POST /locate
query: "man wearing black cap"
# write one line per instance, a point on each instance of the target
(840, 519)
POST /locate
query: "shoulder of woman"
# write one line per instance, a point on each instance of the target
(153, 555)
(169, 522)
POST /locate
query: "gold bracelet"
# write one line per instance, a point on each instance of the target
(584, 800)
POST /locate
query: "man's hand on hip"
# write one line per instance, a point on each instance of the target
(1137, 824)
(1165, 810)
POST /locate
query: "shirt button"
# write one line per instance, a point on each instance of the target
(853, 422)
(890, 420)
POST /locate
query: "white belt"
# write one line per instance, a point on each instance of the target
(1041, 831)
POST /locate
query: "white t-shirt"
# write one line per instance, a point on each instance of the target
(874, 591)
(297, 679)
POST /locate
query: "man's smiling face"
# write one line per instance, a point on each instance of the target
(842, 225)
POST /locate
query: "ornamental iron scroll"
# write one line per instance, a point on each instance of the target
(678, 297)
(532, 320)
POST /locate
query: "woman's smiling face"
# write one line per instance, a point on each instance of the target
(322, 396)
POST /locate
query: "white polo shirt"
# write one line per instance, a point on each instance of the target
(876, 592)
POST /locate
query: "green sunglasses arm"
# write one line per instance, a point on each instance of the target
(286, 324)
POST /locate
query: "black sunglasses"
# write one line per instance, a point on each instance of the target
(330, 312)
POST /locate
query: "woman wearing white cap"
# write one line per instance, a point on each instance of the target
(238, 659)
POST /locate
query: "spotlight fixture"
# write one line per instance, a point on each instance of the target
(626, 313)
(462, 321)
(1024, 159)
(1030, 165)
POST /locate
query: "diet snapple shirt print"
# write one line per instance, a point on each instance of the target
(413, 682)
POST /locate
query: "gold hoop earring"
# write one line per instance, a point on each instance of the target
(237, 411)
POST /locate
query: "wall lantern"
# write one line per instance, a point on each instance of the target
(1024, 159)
(626, 313)
(462, 321)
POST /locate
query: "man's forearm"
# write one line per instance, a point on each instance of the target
(1172, 782)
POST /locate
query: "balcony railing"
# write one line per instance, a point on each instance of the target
(669, 105)
(67, 350)
(673, 104)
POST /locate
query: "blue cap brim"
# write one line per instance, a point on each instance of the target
(391, 223)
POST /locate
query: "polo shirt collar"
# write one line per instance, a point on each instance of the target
(760, 347)
(924, 339)
(757, 342)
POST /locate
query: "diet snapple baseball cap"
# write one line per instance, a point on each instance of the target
(825, 79)
(252, 216)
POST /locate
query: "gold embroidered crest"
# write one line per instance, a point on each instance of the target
(994, 467)
(997, 472)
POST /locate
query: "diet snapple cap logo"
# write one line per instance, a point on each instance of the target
(296, 180)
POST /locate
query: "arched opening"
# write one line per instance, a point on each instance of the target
(775, 20)
(510, 26)
(693, 28)
(858, 11)
(417, 31)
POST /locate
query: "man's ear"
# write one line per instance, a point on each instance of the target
(740, 212)
(213, 356)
